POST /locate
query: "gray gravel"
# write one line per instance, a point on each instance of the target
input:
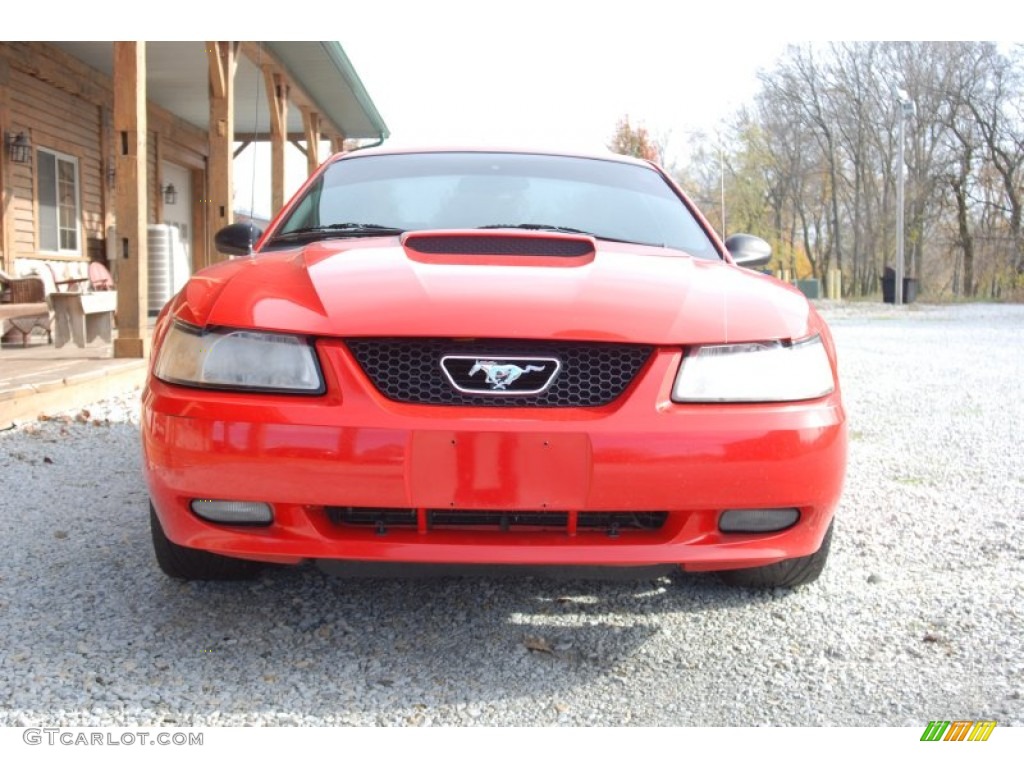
(919, 615)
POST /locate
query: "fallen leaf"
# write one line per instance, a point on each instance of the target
(538, 644)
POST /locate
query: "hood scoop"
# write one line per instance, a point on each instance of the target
(505, 247)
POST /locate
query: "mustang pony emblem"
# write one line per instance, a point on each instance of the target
(504, 376)
(500, 376)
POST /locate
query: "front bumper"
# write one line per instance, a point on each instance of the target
(352, 448)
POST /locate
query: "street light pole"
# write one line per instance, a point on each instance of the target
(899, 218)
(906, 110)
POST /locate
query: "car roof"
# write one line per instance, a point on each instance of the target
(414, 150)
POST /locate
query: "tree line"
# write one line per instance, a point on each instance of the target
(811, 165)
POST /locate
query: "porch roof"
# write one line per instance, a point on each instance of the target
(177, 80)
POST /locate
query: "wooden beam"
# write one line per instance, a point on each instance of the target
(219, 70)
(173, 128)
(240, 149)
(337, 143)
(293, 136)
(277, 98)
(311, 123)
(223, 63)
(130, 151)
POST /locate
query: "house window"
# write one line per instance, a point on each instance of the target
(58, 202)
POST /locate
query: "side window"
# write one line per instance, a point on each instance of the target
(59, 214)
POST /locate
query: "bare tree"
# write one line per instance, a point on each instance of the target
(812, 163)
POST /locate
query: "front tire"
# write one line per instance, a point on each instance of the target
(787, 573)
(194, 564)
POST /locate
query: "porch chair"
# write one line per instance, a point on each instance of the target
(24, 306)
(70, 285)
(99, 277)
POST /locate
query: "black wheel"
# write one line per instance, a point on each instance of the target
(787, 573)
(195, 564)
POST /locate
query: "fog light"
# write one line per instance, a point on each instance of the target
(233, 512)
(757, 520)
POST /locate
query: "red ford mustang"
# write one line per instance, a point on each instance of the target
(492, 357)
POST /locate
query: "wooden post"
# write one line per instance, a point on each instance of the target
(130, 167)
(277, 98)
(158, 163)
(200, 236)
(6, 193)
(337, 143)
(311, 123)
(223, 59)
(108, 183)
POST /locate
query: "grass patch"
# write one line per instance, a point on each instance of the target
(911, 480)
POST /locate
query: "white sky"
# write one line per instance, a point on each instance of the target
(544, 73)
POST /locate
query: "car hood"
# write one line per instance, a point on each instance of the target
(381, 287)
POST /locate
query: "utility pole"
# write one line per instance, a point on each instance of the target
(906, 107)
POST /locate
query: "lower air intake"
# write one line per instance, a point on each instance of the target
(495, 520)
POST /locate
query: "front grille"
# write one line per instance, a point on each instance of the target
(409, 370)
(611, 523)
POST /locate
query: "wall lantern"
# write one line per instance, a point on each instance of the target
(19, 150)
(170, 194)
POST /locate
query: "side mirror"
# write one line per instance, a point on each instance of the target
(237, 239)
(748, 250)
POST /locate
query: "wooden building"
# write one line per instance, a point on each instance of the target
(107, 143)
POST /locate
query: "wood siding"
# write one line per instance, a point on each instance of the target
(63, 105)
(59, 121)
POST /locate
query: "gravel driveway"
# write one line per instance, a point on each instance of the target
(919, 615)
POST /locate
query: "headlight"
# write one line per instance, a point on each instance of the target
(762, 372)
(226, 359)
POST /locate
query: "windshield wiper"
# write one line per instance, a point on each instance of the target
(569, 230)
(547, 227)
(348, 228)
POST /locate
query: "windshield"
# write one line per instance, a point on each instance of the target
(381, 194)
